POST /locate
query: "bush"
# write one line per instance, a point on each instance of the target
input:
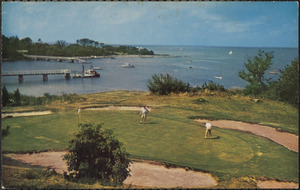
(213, 86)
(209, 86)
(95, 154)
(288, 83)
(200, 101)
(166, 84)
(5, 131)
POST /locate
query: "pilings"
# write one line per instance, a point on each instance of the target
(67, 76)
(45, 77)
(20, 78)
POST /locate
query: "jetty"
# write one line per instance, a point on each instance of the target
(44, 73)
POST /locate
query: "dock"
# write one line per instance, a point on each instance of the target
(44, 73)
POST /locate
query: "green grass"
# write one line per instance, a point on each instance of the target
(170, 137)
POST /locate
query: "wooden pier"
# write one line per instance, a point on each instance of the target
(44, 73)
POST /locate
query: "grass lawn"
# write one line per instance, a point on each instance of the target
(169, 136)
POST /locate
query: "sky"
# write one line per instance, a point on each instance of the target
(241, 24)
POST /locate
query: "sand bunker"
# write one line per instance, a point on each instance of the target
(143, 174)
(34, 113)
(276, 185)
(51, 160)
(117, 108)
(150, 175)
(288, 140)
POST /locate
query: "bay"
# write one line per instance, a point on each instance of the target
(195, 65)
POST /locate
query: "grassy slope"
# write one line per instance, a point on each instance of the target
(169, 135)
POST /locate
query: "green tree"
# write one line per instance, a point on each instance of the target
(5, 97)
(60, 43)
(254, 75)
(17, 97)
(165, 84)
(94, 153)
(288, 83)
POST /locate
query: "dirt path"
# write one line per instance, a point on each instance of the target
(145, 174)
(290, 141)
(34, 113)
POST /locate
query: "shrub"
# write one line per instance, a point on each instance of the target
(213, 86)
(5, 131)
(5, 96)
(166, 84)
(288, 83)
(95, 154)
(209, 86)
(200, 101)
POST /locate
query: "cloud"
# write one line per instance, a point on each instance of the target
(223, 23)
(111, 14)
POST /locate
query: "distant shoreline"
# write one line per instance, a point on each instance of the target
(47, 57)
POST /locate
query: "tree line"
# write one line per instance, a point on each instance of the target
(14, 48)
(17, 99)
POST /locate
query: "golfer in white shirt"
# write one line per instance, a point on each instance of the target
(208, 129)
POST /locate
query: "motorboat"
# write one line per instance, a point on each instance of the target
(87, 74)
(218, 77)
(127, 65)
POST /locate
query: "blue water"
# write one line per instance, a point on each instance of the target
(194, 65)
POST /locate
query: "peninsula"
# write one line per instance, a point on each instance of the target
(25, 49)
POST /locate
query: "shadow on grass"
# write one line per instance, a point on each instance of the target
(149, 123)
(217, 137)
(12, 162)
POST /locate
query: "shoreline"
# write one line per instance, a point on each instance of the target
(45, 57)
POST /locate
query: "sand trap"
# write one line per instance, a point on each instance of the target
(150, 175)
(34, 113)
(117, 108)
(143, 173)
(276, 185)
(288, 140)
(51, 160)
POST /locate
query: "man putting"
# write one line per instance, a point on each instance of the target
(143, 114)
(208, 129)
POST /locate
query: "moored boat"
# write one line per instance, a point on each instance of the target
(87, 74)
(127, 65)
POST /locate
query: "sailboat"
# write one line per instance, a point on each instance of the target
(220, 76)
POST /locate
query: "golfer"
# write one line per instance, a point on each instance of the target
(143, 114)
(208, 129)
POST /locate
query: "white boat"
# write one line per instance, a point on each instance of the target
(87, 74)
(220, 76)
(127, 65)
(230, 52)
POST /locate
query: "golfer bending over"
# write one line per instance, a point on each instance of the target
(208, 129)
(143, 114)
